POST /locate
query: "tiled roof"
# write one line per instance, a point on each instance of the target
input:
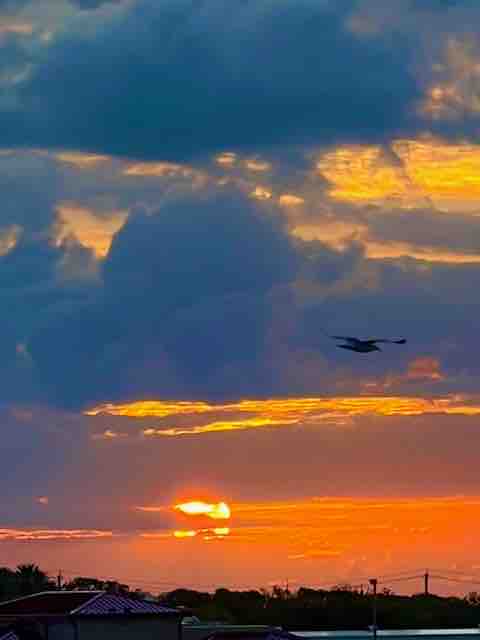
(108, 604)
(81, 603)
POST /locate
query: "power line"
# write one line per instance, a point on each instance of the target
(457, 580)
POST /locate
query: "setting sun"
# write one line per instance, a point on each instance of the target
(219, 511)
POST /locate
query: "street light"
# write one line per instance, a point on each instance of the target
(374, 582)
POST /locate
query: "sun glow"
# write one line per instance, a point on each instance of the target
(216, 511)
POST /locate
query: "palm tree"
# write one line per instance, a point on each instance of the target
(32, 579)
(8, 583)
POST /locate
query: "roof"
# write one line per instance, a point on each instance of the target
(9, 635)
(81, 603)
(108, 603)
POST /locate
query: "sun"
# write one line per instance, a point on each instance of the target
(216, 511)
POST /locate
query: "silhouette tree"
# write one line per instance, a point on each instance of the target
(32, 579)
(8, 584)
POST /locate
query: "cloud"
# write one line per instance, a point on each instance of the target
(287, 412)
(275, 79)
(41, 535)
(206, 293)
(12, 6)
(186, 288)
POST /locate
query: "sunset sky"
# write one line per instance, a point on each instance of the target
(193, 195)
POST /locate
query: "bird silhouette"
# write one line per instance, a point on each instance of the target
(364, 346)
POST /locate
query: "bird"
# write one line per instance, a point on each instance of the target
(364, 346)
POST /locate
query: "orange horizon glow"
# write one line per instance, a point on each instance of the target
(333, 540)
(320, 541)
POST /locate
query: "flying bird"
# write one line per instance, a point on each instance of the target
(364, 346)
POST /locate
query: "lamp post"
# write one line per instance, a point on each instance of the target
(374, 582)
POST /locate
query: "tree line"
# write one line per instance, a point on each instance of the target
(338, 608)
(342, 607)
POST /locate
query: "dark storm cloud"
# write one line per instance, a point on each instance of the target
(201, 297)
(12, 6)
(30, 188)
(93, 4)
(185, 291)
(173, 79)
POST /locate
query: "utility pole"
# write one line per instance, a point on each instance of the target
(59, 580)
(425, 577)
(374, 582)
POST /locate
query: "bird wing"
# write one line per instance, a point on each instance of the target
(347, 339)
(374, 340)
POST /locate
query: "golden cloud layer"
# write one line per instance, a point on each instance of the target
(280, 412)
(410, 173)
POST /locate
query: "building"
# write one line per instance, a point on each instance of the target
(87, 615)
(219, 631)
(252, 633)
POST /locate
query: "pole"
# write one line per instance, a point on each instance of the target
(59, 580)
(426, 576)
(374, 582)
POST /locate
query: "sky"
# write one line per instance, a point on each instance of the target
(194, 196)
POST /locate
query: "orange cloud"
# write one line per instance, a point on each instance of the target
(385, 250)
(225, 425)
(8, 239)
(456, 91)
(418, 172)
(426, 368)
(339, 234)
(226, 159)
(422, 368)
(290, 200)
(185, 534)
(81, 160)
(109, 434)
(94, 232)
(147, 408)
(15, 26)
(257, 165)
(158, 169)
(52, 534)
(282, 412)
